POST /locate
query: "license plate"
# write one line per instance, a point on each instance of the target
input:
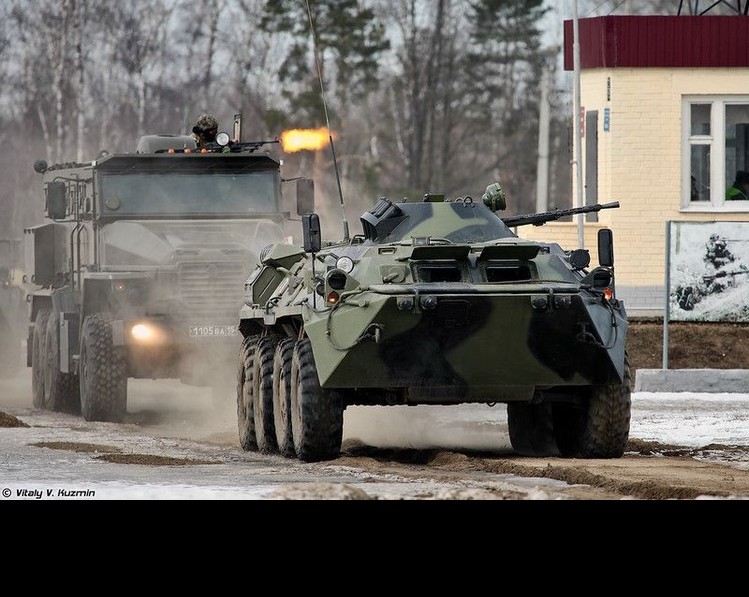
(212, 331)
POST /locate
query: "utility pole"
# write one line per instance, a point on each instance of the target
(577, 128)
(544, 118)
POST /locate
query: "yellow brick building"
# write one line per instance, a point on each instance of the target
(666, 102)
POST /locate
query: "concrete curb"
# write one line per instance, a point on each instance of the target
(692, 380)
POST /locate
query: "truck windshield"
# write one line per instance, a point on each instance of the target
(231, 194)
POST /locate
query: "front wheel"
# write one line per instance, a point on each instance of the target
(531, 430)
(316, 413)
(103, 372)
(600, 427)
(245, 409)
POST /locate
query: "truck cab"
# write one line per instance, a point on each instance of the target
(139, 269)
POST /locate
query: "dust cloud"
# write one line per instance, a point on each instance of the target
(477, 427)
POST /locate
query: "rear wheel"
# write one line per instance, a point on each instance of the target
(316, 413)
(531, 429)
(61, 392)
(282, 397)
(103, 372)
(245, 411)
(600, 427)
(38, 357)
(262, 394)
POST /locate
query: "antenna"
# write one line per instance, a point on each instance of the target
(236, 130)
(346, 237)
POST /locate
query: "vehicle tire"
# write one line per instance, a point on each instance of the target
(531, 429)
(262, 394)
(282, 397)
(10, 350)
(61, 391)
(38, 357)
(316, 413)
(599, 428)
(103, 372)
(245, 409)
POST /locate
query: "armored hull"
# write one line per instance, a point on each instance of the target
(440, 302)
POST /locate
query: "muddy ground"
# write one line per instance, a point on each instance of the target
(650, 470)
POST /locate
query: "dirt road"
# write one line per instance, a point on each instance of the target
(176, 445)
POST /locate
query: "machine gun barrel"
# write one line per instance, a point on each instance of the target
(539, 219)
(724, 274)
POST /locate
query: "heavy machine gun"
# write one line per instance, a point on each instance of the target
(539, 219)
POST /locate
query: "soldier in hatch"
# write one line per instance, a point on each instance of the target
(205, 130)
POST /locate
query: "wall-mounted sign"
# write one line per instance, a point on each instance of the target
(606, 120)
(708, 273)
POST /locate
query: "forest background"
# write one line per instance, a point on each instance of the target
(421, 95)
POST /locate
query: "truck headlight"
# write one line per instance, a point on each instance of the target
(147, 333)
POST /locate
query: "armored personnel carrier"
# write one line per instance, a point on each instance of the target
(436, 302)
(138, 269)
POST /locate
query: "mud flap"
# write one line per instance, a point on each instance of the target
(69, 338)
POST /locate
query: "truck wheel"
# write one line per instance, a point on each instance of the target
(245, 411)
(316, 413)
(531, 430)
(10, 350)
(599, 428)
(282, 397)
(103, 372)
(262, 394)
(38, 357)
(60, 389)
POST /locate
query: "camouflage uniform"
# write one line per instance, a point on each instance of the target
(205, 129)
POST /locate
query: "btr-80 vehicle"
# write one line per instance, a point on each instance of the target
(138, 272)
(437, 302)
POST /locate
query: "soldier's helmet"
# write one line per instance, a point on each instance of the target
(206, 122)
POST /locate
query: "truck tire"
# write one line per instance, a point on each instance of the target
(282, 397)
(103, 372)
(38, 357)
(600, 427)
(316, 414)
(262, 394)
(245, 410)
(61, 392)
(531, 429)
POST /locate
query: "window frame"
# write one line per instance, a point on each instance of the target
(716, 141)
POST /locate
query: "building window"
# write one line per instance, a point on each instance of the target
(716, 147)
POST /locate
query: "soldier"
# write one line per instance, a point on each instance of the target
(205, 130)
(717, 251)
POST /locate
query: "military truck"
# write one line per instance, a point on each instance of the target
(138, 271)
(12, 307)
(436, 302)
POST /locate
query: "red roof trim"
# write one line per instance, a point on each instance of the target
(660, 41)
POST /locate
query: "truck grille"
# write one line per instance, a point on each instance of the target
(212, 288)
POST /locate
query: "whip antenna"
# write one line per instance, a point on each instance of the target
(327, 121)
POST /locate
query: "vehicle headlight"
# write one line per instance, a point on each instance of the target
(345, 264)
(142, 332)
(146, 334)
